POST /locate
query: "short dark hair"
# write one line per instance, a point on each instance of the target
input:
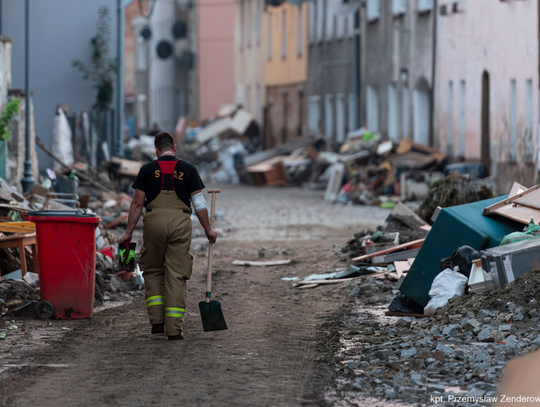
(164, 140)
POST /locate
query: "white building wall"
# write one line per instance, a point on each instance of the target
(502, 39)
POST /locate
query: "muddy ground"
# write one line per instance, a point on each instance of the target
(273, 353)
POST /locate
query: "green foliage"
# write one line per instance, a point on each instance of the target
(6, 116)
(102, 70)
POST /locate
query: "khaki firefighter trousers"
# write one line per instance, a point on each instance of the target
(166, 260)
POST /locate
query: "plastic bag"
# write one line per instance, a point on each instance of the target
(461, 258)
(448, 284)
(402, 303)
(531, 232)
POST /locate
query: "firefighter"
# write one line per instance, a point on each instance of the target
(167, 188)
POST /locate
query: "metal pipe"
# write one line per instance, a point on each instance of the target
(118, 148)
(356, 65)
(28, 179)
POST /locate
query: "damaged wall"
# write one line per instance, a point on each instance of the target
(487, 86)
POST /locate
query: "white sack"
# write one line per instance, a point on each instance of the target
(448, 284)
(61, 144)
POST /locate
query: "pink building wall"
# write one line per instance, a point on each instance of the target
(216, 55)
(500, 38)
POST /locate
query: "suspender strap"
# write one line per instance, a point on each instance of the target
(167, 168)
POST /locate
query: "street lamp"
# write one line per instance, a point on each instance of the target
(28, 179)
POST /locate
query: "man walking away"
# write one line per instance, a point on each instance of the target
(167, 187)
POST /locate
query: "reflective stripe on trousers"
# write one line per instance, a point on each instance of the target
(174, 312)
(155, 300)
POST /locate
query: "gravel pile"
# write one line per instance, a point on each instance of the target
(460, 351)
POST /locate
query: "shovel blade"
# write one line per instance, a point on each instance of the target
(212, 316)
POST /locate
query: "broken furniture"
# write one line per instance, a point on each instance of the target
(20, 241)
(506, 263)
(454, 227)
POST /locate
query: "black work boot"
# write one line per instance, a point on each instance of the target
(158, 329)
(177, 337)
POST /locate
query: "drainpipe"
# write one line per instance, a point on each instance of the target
(356, 65)
(28, 179)
(118, 147)
(433, 72)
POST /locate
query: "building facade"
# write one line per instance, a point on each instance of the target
(487, 86)
(216, 55)
(397, 62)
(53, 80)
(286, 73)
(250, 56)
(333, 54)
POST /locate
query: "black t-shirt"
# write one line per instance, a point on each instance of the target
(187, 180)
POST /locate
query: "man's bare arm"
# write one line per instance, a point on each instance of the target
(135, 211)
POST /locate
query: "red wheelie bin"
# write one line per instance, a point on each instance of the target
(66, 242)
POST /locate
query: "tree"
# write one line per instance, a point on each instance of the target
(102, 70)
(6, 116)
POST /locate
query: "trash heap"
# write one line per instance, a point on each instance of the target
(461, 350)
(467, 300)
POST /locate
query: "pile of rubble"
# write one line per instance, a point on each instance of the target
(460, 351)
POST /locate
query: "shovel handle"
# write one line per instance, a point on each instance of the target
(211, 245)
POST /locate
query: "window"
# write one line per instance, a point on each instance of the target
(330, 16)
(462, 117)
(399, 7)
(529, 145)
(405, 112)
(340, 118)
(258, 23)
(248, 99)
(424, 6)
(311, 21)
(392, 112)
(349, 31)
(239, 94)
(373, 10)
(299, 32)
(352, 113)
(241, 25)
(249, 19)
(450, 119)
(341, 25)
(314, 113)
(284, 34)
(142, 54)
(513, 118)
(372, 109)
(257, 112)
(320, 19)
(329, 115)
(270, 42)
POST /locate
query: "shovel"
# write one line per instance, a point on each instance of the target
(211, 314)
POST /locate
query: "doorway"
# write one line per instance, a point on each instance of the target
(485, 150)
(422, 113)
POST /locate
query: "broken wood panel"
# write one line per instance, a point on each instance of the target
(411, 245)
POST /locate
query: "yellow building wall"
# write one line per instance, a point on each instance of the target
(292, 68)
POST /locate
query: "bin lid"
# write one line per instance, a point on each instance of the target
(71, 215)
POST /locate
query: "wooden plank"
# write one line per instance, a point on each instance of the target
(411, 245)
(15, 237)
(411, 261)
(490, 210)
(521, 214)
(427, 228)
(401, 266)
(261, 263)
(22, 258)
(531, 200)
(309, 286)
(339, 280)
